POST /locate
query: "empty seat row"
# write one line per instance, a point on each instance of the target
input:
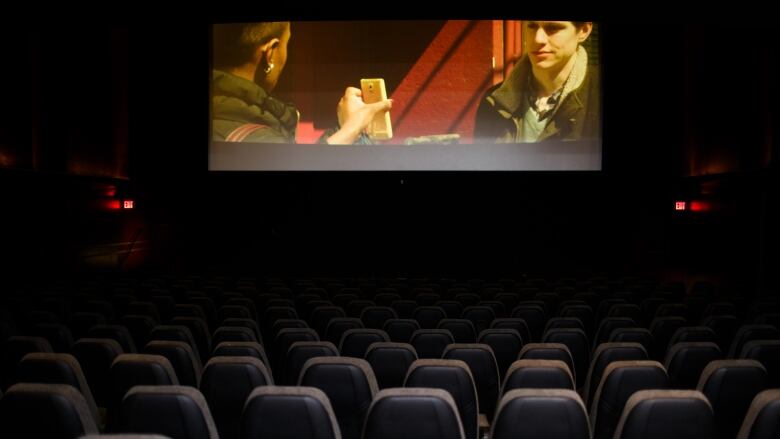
(400, 413)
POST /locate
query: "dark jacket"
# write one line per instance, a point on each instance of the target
(236, 102)
(577, 116)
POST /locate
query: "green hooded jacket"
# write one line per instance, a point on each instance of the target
(236, 102)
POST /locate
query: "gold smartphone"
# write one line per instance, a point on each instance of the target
(374, 91)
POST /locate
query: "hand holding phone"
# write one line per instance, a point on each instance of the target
(373, 90)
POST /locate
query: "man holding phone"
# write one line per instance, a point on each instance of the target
(248, 60)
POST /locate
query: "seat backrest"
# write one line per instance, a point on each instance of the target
(666, 414)
(766, 352)
(630, 310)
(725, 327)
(579, 347)
(632, 335)
(404, 308)
(541, 414)
(355, 342)
(226, 383)
(139, 326)
(32, 410)
(480, 316)
(606, 353)
(482, 362)
(752, 332)
(763, 417)
(322, 315)
(386, 299)
(374, 317)
(175, 333)
(124, 436)
(506, 345)
(274, 313)
(247, 323)
(242, 349)
(280, 324)
(245, 302)
(538, 374)
(671, 309)
(343, 298)
(609, 324)
(95, 355)
(350, 385)
(620, 380)
(200, 307)
(299, 353)
(233, 311)
(390, 362)
(406, 414)
(563, 322)
(115, 332)
(467, 299)
(583, 313)
(693, 333)
(535, 317)
(451, 308)
(462, 330)
(58, 335)
(284, 339)
(13, 350)
(337, 326)
(685, 362)
(730, 386)
(81, 322)
(200, 333)
(517, 324)
(547, 351)
(603, 308)
(233, 333)
(181, 356)
(453, 376)
(51, 368)
(179, 412)
(430, 343)
(130, 370)
(165, 304)
(269, 409)
(148, 309)
(427, 298)
(400, 330)
(663, 328)
(355, 307)
(102, 307)
(510, 300)
(498, 307)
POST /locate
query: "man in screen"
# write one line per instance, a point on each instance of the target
(248, 60)
(550, 94)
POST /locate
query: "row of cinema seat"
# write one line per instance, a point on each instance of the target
(350, 383)
(690, 350)
(174, 325)
(328, 323)
(278, 412)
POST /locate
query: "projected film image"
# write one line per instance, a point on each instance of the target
(405, 95)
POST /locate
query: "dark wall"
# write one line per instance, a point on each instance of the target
(459, 223)
(443, 221)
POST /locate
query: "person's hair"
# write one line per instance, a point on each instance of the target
(235, 44)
